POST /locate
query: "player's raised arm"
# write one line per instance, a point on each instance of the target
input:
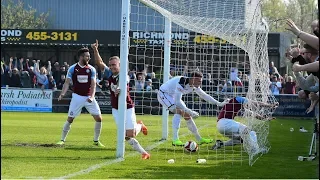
(97, 58)
(93, 84)
(66, 83)
(203, 95)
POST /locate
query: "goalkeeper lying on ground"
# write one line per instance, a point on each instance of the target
(228, 127)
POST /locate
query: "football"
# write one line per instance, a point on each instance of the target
(191, 146)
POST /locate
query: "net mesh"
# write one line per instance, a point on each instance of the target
(224, 40)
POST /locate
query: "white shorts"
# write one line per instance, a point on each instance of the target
(78, 102)
(230, 127)
(167, 101)
(131, 120)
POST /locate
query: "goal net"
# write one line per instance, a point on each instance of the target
(227, 42)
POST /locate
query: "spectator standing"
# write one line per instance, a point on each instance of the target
(275, 86)
(61, 81)
(33, 78)
(207, 83)
(149, 86)
(155, 81)
(25, 79)
(273, 69)
(4, 74)
(52, 83)
(14, 75)
(227, 87)
(57, 73)
(140, 83)
(41, 75)
(290, 86)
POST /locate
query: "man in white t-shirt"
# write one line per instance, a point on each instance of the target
(275, 86)
(170, 96)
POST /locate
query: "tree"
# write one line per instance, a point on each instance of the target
(308, 13)
(302, 12)
(274, 11)
(15, 16)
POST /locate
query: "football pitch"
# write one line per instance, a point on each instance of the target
(28, 150)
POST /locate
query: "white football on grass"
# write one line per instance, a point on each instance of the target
(191, 146)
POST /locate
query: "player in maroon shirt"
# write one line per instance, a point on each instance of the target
(131, 125)
(228, 127)
(83, 77)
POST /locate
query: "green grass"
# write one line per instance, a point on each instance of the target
(26, 151)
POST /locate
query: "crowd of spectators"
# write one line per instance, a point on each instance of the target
(281, 84)
(306, 60)
(25, 73)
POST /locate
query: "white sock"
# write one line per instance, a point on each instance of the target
(176, 126)
(138, 128)
(193, 128)
(136, 146)
(97, 131)
(65, 130)
(253, 136)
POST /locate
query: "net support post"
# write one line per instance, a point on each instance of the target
(166, 72)
(124, 51)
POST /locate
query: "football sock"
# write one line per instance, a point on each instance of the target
(176, 126)
(97, 131)
(138, 128)
(65, 130)
(136, 146)
(193, 128)
(253, 136)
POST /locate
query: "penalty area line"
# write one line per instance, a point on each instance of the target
(107, 163)
(114, 161)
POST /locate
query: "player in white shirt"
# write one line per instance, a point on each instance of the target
(170, 96)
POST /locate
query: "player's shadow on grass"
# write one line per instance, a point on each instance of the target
(87, 148)
(177, 149)
(64, 158)
(33, 145)
(66, 147)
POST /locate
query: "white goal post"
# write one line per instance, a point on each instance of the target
(124, 51)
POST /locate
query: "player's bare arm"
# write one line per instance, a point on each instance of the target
(314, 97)
(92, 90)
(117, 91)
(266, 104)
(97, 56)
(203, 95)
(263, 117)
(64, 88)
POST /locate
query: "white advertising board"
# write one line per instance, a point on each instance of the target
(26, 100)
